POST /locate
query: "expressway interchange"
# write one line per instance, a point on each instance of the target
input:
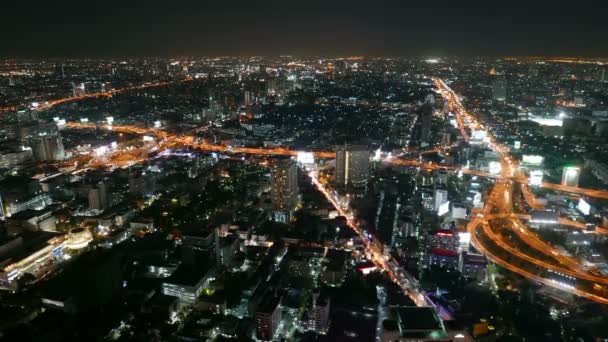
(500, 234)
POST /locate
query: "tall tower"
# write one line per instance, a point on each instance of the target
(352, 165)
(499, 90)
(284, 177)
(48, 148)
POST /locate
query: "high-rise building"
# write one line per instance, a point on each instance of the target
(12, 156)
(570, 175)
(422, 128)
(48, 147)
(352, 165)
(284, 177)
(78, 89)
(98, 197)
(319, 314)
(267, 318)
(499, 90)
(440, 198)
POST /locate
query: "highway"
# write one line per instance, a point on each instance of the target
(175, 141)
(483, 230)
(537, 259)
(51, 103)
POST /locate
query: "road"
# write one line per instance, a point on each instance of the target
(485, 239)
(523, 252)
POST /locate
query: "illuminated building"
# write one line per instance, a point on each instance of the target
(499, 90)
(12, 157)
(318, 315)
(78, 89)
(352, 165)
(30, 220)
(78, 238)
(21, 193)
(48, 147)
(284, 192)
(571, 175)
(473, 266)
(267, 317)
(35, 255)
(443, 258)
(439, 199)
(187, 282)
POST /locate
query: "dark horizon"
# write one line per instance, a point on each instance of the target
(241, 28)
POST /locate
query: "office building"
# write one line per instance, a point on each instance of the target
(98, 197)
(21, 193)
(352, 165)
(267, 317)
(187, 282)
(571, 175)
(499, 90)
(440, 197)
(13, 156)
(318, 316)
(48, 147)
(78, 89)
(284, 193)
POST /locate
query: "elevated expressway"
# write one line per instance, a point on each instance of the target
(500, 234)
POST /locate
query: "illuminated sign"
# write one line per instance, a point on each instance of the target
(459, 213)
(478, 136)
(536, 178)
(110, 120)
(148, 138)
(583, 206)
(532, 159)
(101, 150)
(443, 209)
(156, 124)
(494, 168)
(83, 120)
(517, 145)
(464, 238)
(305, 158)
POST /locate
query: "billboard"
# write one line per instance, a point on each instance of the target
(532, 159)
(459, 213)
(536, 178)
(478, 136)
(494, 167)
(305, 158)
(443, 209)
(583, 207)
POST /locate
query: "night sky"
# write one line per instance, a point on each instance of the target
(202, 28)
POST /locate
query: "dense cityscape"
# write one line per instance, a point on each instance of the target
(304, 199)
